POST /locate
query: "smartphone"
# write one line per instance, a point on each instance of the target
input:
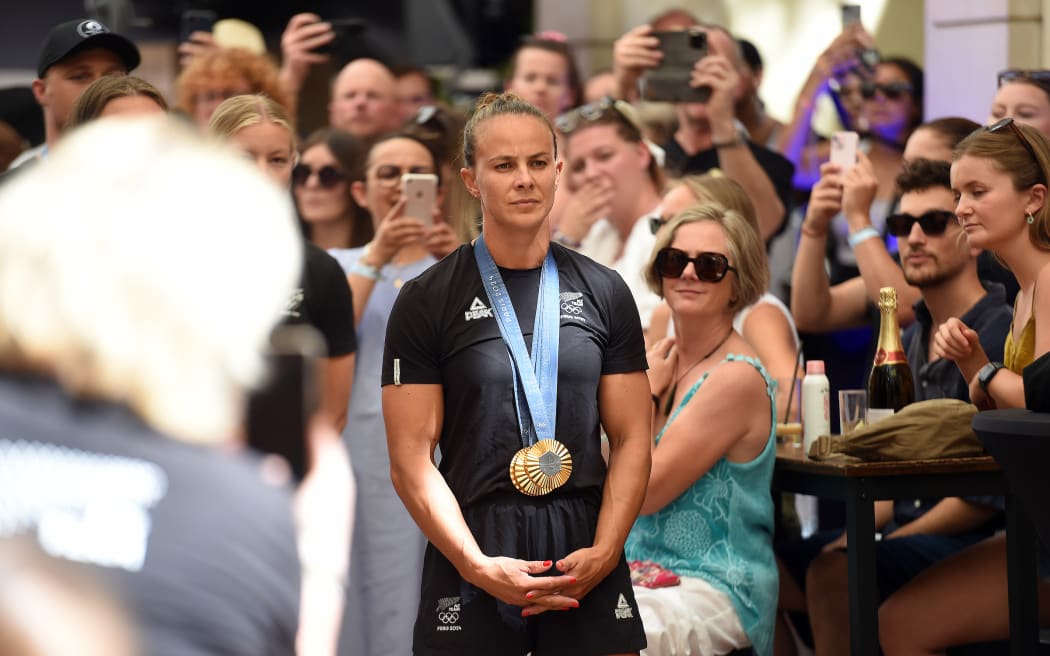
(669, 81)
(844, 149)
(850, 15)
(346, 30)
(279, 412)
(420, 190)
(196, 20)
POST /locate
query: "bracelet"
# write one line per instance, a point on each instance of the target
(864, 234)
(564, 240)
(366, 270)
(737, 140)
(808, 230)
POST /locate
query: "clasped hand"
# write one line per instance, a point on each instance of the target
(522, 582)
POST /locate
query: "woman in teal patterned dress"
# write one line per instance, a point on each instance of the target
(708, 512)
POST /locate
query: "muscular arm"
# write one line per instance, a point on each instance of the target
(878, 269)
(740, 165)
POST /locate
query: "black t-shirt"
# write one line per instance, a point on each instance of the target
(442, 332)
(324, 301)
(201, 550)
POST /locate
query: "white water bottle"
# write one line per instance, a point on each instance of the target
(816, 404)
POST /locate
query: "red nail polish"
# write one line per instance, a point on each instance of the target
(524, 613)
(572, 579)
(529, 595)
(546, 563)
(575, 604)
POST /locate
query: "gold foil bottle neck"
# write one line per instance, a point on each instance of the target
(888, 299)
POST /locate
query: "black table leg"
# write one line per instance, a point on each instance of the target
(1021, 576)
(863, 594)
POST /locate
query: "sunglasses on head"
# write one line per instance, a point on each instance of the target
(391, 173)
(571, 121)
(1040, 78)
(934, 222)
(893, 90)
(1009, 122)
(328, 176)
(709, 267)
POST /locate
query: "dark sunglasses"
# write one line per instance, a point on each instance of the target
(328, 176)
(932, 223)
(571, 121)
(709, 267)
(893, 90)
(1008, 122)
(389, 173)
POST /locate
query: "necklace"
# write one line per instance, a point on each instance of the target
(674, 388)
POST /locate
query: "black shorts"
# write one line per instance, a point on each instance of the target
(456, 618)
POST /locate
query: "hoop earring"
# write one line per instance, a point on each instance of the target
(1031, 219)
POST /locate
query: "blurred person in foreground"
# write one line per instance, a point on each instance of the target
(123, 376)
(523, 515)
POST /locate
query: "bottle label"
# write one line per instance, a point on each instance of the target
(877, 414)
(882, 356)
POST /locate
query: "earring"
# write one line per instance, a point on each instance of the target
(1031, 219)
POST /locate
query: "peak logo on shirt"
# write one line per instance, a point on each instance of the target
(477, 310)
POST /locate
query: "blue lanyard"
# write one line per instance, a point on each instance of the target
(537, 377)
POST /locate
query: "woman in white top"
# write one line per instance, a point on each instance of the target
(616, 183)
(766, 324)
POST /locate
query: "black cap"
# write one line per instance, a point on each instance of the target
(82, 34)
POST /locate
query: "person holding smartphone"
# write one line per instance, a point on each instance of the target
(708, 134)
(526, 521)
(387, 553)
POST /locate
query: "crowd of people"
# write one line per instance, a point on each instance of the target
(515, 400)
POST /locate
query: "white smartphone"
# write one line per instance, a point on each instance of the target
(844, 149)
(420, 190)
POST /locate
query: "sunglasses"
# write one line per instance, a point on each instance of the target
(892, 91)
(709, 267)
(932, 223)
(1008, 122)
(1040, 78)
(390, 174)
(571, 121)
(328, 176)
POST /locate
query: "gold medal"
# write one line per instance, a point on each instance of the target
(548, 464)
(520, 477)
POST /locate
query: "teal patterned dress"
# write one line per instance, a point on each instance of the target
(721, 529)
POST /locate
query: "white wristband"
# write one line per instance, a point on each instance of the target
(863, 235)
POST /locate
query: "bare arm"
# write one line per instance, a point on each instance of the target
(413, 415)
(624, 404)
(877, 267)
(393, 232)
(768, 331)
(337, 375)
(815, 305)
(633, 53)
(304, 33)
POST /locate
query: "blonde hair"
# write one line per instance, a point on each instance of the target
(239, 112)
(90, 104)
(120, 287)
(746, 251)
(709, 187)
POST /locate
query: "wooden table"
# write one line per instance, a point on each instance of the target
(860, 484)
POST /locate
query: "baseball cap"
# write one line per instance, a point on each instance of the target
(74, 36)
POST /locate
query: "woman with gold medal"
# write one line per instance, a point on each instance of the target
(511, 354)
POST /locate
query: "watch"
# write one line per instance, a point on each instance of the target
(987, 372)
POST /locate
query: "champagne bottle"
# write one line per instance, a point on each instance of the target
(890, 385)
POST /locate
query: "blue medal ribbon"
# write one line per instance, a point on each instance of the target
(535, 376)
